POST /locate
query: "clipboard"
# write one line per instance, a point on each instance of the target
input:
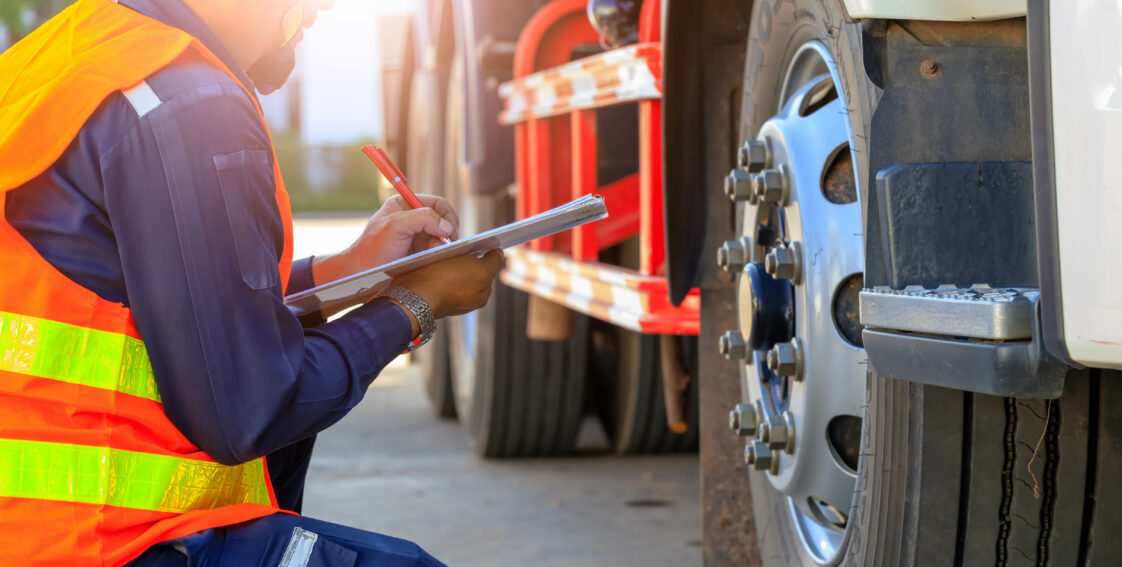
(363, 286)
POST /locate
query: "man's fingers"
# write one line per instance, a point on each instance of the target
(396, 203)
(493, 260)
(442, 208)
(427, 220)
(439, 205)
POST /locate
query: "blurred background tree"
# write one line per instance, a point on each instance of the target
(22, 16)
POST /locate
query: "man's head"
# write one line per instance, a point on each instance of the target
(261, 34)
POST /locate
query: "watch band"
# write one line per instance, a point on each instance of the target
(420, 310)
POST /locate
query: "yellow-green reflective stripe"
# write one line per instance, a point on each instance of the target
(128, 479)
(77, 355)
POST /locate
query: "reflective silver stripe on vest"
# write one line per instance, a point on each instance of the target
(142, 98)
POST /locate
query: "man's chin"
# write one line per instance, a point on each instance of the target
(272, 71)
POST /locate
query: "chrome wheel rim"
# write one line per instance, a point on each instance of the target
(809, 141)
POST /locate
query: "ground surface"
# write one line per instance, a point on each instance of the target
(392, 468)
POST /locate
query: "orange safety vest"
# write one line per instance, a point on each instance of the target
(92, 472)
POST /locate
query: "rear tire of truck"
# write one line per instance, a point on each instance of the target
(627, 375)
(517, 397)
(942, 477)
(432, 363)
(426, 171)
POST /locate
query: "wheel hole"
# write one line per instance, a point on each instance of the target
(844, 436)
(847, 310)
(839, 184)
(827, 514)
(822, 94)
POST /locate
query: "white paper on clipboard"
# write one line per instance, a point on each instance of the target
(362, 286)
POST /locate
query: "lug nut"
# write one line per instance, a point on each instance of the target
(775, 433)
(732, 256)
(754, 155)
(723, 257)
(743, 420)
(749, 247)
(784, 263)
(771, 186)
(738, 186)
(786, 359)
(732, 345)
(758, 456)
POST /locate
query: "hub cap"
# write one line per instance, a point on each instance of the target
(813, 240)
(766, 313)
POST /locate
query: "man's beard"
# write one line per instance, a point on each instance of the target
(272, 71)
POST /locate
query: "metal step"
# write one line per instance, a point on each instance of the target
(977, 312)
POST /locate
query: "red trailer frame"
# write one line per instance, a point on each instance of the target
(552, 104)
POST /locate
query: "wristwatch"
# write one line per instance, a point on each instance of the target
(419, 308)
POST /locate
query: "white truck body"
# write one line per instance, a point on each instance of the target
(1086, 64)
(940, 10)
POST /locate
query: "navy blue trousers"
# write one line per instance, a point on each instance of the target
(285, 540)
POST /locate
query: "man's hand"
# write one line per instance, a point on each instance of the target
(454, 286)
(395, 231)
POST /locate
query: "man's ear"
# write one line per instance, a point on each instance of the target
(292, 22)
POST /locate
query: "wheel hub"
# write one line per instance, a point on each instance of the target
(766, 311)
(801, 372)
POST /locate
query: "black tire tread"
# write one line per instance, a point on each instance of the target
(1068, 445)
(535, 393)
(573, 387)
(1101, 525)
(935, 531)
(1002, 520)
(1026, 419)
(989, 513)
(519, 389)
(643, 429)
(980, 502)
(436, 376)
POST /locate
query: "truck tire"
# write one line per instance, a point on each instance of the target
(803, 488)
(941, 477)
(517, 397)
(425, 149)
(628, 379)
(432, 363)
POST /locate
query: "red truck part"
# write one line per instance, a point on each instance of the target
(555, 107)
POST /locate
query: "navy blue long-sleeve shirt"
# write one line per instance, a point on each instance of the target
(165, 202)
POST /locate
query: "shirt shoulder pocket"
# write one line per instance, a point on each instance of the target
(248, 188)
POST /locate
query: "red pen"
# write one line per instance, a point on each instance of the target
(395, 177)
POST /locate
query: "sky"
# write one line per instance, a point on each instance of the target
(338, 65)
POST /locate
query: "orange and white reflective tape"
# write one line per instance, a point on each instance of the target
(620, 296)
(621, 75)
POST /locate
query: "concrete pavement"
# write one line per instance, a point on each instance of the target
(392, 468)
